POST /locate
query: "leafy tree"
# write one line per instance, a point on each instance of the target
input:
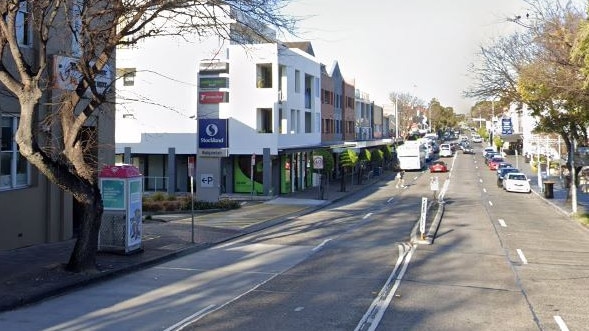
(348, 161)
(51, 131)
(387, 154)
(365, 158)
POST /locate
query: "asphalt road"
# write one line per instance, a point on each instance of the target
(499, 261)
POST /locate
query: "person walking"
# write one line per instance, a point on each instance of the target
(400, 179)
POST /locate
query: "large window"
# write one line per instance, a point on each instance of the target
(265, 120)
(14, 169)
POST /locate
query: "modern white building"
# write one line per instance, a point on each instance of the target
(265, 97)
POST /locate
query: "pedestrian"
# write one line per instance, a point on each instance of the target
(400, 179)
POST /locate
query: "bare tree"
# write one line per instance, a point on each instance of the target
(407, 107)
(50, 133)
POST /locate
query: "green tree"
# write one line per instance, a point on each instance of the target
(348, 161)
(54, 140)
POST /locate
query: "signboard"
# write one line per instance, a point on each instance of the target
(67, 77)
(212, 97)
(134, 214)
(213, 82)
(213, 66)
(113, 193)
(318, 162)
(423, 216)
(506, 126)
(214, 152)
(191, 165)
(212, 133)
(207, 180)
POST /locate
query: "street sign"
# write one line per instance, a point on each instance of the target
(423, 216)
(253, 159)
(318, 162)
(207, 180)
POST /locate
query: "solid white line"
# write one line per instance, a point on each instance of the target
(390, 199)
(490, 203)
(183, 323)
(378, 307)
(318, 247)
(561, 324)
(522, 256)
(502, 222)
(366, 216)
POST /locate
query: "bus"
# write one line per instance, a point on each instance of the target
(412, 155)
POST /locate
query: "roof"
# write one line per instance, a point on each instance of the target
(305, 46)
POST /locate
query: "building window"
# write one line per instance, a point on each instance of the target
(23, 24)
(308, 126)
(264, 75)
(128, 75)
(297, 81)
(265, 120)
(14, 169)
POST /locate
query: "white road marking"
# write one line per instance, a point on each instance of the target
(390, 199)
(374, 314)
(502, 222)
(485, 190)
(480, 180)
(183, 323)
(561, 324)
(366, 216)
(522, 256)
(318, 247)
(490, 203)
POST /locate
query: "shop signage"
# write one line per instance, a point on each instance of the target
(212, 82)
(213, 133)
(212, 97)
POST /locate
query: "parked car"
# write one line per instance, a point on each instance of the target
(503, 165)
(516, 182)
(493, 163)
(477, 139)
(491, 155)
(502, 173)
(438, 166)
(445, 150)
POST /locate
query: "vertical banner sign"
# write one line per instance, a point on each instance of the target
(423, 217)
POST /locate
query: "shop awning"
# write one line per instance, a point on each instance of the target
(512, 138)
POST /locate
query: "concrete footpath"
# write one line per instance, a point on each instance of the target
(33, 273)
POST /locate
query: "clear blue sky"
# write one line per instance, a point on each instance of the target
(422, 47)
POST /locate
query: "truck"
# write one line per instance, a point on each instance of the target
(411, 155)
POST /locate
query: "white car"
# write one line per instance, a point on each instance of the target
(446, 150)
(516, 182)
(477, 139)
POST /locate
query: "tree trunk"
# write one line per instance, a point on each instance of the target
(83, 257)
(343, 181)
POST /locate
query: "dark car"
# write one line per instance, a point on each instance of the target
(502, 172)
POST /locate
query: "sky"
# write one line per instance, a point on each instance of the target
(421, 47)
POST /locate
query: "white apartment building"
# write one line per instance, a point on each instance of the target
(266, 95)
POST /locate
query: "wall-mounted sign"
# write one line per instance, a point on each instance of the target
(213, 133)
(213, 66)
(213, 82)
(213, 97)
(506, 126)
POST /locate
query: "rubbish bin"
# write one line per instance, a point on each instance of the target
(549, 190)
